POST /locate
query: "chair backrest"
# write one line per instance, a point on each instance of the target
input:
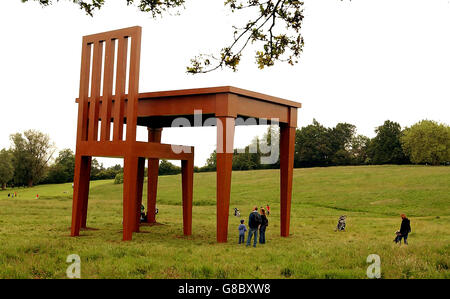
(108, 61)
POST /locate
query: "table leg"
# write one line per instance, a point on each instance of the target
(187, 168)
(287, 147)
(225, 138)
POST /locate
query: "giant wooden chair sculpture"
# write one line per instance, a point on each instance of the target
(99, 104)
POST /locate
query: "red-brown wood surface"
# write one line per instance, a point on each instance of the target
(230, 106)
(98, 103)
(154, 135)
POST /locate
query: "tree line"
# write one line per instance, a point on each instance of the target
(426, 142)
(29, 161)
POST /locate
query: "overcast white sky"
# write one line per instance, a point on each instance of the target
(364, 62)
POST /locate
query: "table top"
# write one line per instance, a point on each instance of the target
(218, 90)
(215, 90)
(161, 108)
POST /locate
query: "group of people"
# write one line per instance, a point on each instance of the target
(257, 222)
(12, 195)
(405, 229)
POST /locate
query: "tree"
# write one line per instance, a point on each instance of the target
(63, 169)
(246, 159)
(108, 173)
(312, 146)
(211, 162)
(386, 148)
(6, 168)
(358, 151)
(340, 143)
(30, 153)
(167, 168)
(96, 168)
(427, 142)
(274, 28)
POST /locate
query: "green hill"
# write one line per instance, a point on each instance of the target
(34, 233)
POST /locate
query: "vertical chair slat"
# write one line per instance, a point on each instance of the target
(107, 90)
(95, 91)
(133, 86)
(84, 91)
(120, 88)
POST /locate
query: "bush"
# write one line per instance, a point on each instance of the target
(118, 179)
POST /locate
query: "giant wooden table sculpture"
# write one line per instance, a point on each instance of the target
(160, 109)
(157, 110)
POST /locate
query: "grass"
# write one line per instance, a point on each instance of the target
(35, 242)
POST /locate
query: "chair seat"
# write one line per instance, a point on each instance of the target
(120, 149)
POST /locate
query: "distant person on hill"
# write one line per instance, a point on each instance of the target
(262, 227)
(254, 220)
(405, 229)
(242, 229)
(268, 209)
(9, 194)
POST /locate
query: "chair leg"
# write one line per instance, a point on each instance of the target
(130, 178)
(225, 136)
(154, 135)
(187, 170)
(140, 182)
(85, 194)
(152, 188)
(287, 145)
(80, 185)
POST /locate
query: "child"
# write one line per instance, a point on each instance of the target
(143, 215)
(242, 229)
(397, 236)
(341, 224)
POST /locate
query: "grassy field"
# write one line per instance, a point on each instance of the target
(35, 242)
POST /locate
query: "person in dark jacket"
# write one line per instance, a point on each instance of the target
(262, 227)
(405, 229)
(254, 220)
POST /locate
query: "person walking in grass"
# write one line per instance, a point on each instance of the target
(242, 229)
(262, 227)
(405, 229)
(254, 220)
